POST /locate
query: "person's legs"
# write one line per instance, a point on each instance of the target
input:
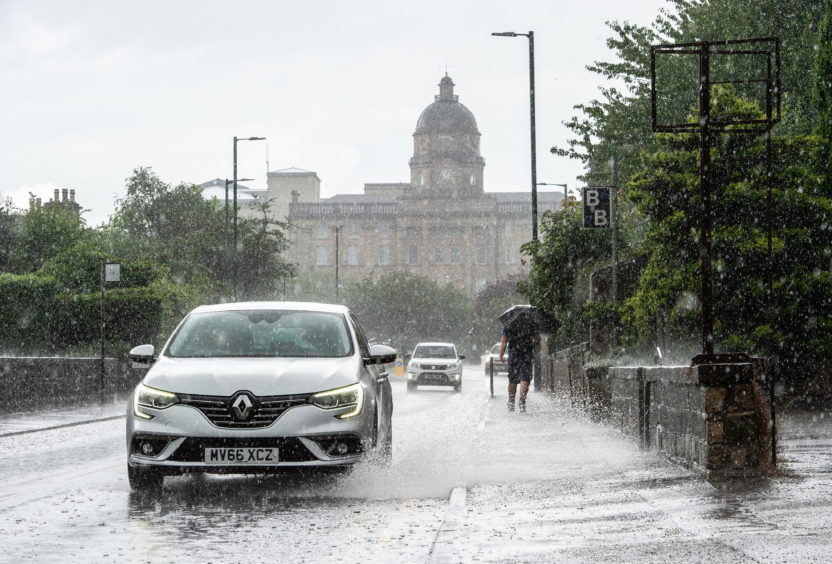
(512, 391)
(524, 390)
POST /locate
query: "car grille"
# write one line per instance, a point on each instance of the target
(290, 449)
(436, 366)
(265, 409)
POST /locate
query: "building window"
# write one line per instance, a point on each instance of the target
(472, 179)
(384, 255)
(414, 231)
(322, 256)
(383, 229)
(511, 254)
(479, 231)
(509, 229)
(320, 233)
(437, 256)
(454, 255)
(421, 179)
(352, 255)
(413, 255)
(352, 230)
(480, 254)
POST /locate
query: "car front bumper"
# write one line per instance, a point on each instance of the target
(176, 440)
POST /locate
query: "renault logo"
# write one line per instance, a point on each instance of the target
(242, 407)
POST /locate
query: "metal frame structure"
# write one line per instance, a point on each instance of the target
(708, 125)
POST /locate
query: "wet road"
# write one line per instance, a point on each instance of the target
(469, 482)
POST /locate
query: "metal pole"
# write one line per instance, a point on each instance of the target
(337, 284)
(491, 374)
(705, 208)
(533, 136)
(102, 326)
(226, 206)
(234, 247)
(770, 267)
(614, 225)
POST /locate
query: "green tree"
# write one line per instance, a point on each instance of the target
(667, 193)
(177, 227)
(409, 308)
(822, 91)
(45, 232)
(9, 234)
(558, 281)
(618, 121)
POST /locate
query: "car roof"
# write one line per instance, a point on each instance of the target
(299, 306)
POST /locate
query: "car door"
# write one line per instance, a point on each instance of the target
(379, 381)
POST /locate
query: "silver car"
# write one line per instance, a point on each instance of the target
(260, 386)
(435, 364)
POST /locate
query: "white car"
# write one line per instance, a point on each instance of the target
(259, 386)
(434, 364)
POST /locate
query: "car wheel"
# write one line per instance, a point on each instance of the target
(144, 478)
(411, 387)
(385, 450)
(457, 387)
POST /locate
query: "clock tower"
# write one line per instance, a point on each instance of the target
(446, 160)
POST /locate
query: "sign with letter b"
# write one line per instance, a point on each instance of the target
(597, 207)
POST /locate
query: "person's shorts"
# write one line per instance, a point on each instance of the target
(519, 372)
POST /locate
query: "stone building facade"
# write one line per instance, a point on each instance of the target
(440, 224)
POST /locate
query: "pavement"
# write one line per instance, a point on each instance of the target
(582, 492)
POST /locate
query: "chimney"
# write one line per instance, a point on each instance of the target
(72, 195)
(65, 193)
(56, 195)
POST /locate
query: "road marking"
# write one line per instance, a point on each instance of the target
(63, 426)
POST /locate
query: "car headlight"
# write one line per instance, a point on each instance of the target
(145, 396)
(347, 396)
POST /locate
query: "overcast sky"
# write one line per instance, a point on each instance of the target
(93, 89)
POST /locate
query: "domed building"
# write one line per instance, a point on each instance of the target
(441, 224)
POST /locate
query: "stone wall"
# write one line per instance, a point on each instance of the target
(27, 383)
(712, 418)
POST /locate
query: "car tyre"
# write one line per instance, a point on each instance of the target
(385, 450)
(411, 387)
(457, 387)
(144, 479)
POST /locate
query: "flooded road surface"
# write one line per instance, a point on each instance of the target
(469, 482)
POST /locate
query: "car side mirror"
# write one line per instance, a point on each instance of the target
(462, 357)
(142, 356)
(407, 356)
(381, 354)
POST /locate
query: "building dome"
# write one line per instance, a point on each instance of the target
(446, 114)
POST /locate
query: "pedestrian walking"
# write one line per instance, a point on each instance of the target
(520, 361)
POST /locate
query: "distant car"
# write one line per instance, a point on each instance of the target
(494, 355)
(435, 364)
(256, 387)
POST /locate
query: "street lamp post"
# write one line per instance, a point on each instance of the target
(530, 36)
(235, 205)
(227, 182)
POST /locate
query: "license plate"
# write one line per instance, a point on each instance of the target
(241, 456)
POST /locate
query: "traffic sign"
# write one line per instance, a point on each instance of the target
(597, 213)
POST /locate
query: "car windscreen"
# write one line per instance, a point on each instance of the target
(434, 351)
(262, 333)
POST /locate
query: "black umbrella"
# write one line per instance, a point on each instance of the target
(527, 320)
